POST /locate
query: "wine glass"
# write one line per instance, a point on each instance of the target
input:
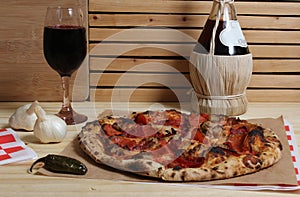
(65, 48)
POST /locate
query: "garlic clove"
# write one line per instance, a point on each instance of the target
(49, 128)
(24, 117)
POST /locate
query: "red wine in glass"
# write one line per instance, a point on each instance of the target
(65, 48)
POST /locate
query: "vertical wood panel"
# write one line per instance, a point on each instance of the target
(24, 73)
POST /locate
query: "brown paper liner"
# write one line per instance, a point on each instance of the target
(220, 83)
(280, 173)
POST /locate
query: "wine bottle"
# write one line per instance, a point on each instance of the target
(221, 64)
(228, 38)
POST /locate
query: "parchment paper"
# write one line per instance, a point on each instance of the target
(281, 173)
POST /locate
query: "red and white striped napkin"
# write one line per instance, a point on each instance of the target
(293, 148)
(12, 148)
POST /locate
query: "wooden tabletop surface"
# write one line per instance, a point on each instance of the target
(14, 178)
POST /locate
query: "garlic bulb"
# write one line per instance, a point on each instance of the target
(24, 117)
(49, 128)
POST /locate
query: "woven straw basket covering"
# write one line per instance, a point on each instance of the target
(220, 83)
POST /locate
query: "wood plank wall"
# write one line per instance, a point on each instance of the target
(24, 73)
(139, 49)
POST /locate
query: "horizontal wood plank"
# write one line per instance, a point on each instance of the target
(186, 35)
(177, 20)
(275, 51)
(178, 80)
(148, 49)
(194, 7)
(275, 81)
(124, 64)
(147, 34)
(139, 95)
(140, 49)
(165, 95)
(276, 65)
(273, 95)
(139, 79)
(136, 64)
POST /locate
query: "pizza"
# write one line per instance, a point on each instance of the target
(176, 146)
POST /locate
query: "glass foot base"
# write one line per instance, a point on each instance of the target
(70, 116)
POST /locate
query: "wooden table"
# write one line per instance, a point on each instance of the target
(14, 179)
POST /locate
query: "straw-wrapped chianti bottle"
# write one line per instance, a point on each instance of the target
(221, 64)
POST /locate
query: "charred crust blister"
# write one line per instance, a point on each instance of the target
(268, 145)
(215, 168)
(137, 166)
(173, 131)
(173, 174)
(258, 167)
(116, 126)
(257, 132)
(217, 151)
(183, 175)
(280, 146)
(235, 173)
(213, 176)
(177, 168)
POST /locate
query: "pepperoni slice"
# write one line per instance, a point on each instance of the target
(198, 135)
(238, 130)
(110, 130)
(167, 118)
(187, 162)
(235, 142)
(141, 119)
(124, 142)
(140, 131)
(173, 118)
(196, 119)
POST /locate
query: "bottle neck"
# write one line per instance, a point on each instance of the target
(225, 9)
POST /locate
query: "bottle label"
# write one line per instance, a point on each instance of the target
(232, 35)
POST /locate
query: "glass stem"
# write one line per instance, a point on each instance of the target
(66, 87)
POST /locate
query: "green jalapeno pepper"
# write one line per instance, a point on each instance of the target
(61, 164)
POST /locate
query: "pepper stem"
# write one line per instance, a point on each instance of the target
(37, 161)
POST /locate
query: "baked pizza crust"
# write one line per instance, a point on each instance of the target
(217, 166)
